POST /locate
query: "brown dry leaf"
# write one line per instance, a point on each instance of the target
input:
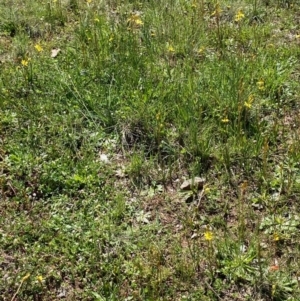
(55, 52)
(274, 268)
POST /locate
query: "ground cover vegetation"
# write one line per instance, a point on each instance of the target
(107, 107)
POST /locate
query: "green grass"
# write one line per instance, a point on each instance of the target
(97, 138)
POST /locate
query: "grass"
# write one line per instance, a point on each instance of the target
(107, 107)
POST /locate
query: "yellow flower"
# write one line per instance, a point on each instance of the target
(38, 47)
(171, 48)
(135, 20)
(206, 188)
(208, 235)
(24, 63)
(88, 1)
(40, 278)
(248, 103)
(239, 16)
(201, 50)
(225, 120)
(139, 22)
(217, 11)
(261, 85)
(25, 277)
(96, 20)
(276, 237)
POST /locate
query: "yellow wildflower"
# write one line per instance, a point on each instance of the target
(225, 120)
(139, 22)
(88, 1)
(276, 237)
(208, 235)
(96, 20)
(38, 47)
(25, 63)
(171, 48)
(206, 188)
(239, 16)
(135, 20)
(201, 50)
(248, 103)
(40, 278)
(261, 85)
(217, 11)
